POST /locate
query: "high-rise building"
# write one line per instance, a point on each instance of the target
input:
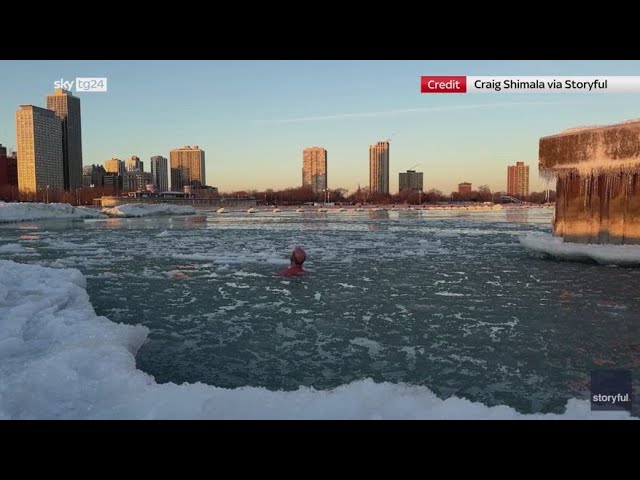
(187, 167)
(112, 181)
(93, 176)
(114, 165)
(134, 164)
(129, 181)
(379, 168)
(411, 180)
(136, 181)
(40, 153)
(314, 168)
(145, 181)
(3, 166)
(12, 169)
(464, 188)
(67, 108)
(518, 180)
(160, 173)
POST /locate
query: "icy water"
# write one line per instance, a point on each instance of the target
(448, 300)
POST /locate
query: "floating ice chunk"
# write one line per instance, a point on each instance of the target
(12, 248)
(241, 273)
(145, 210)
(373, 346)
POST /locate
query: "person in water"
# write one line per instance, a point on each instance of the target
(298, 256)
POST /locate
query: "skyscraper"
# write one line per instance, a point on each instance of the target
(40, 153)
(134, 164)
(93, 176)
(314, 168)
(187, 167)
(379, 168)
(411, 180)
(67, 108)
(4, 178)
(135, 180)
(114, 165)
(12, 169)
(518, 180)
(160, 172)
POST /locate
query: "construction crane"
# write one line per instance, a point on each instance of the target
(414, 166)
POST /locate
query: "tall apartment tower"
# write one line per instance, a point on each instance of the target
(379, 168)
(67, 108)
(40, 151)
(187, 167)
(314, 168)
(114, 165)
(160, 172)
(134, 164)
(518, 180)
(3, 166)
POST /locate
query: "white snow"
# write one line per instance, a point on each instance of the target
(145, 210)
(59, 360)
(626, 255)
(25, 211)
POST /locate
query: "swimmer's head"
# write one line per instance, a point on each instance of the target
(298, 256)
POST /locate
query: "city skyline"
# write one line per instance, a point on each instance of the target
(261, 131)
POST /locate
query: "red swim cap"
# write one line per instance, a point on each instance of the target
(299, 255)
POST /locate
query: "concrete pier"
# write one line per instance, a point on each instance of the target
(597, 173)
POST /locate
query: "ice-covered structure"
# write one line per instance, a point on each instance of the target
(597, 182)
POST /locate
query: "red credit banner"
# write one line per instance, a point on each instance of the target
(443, 84)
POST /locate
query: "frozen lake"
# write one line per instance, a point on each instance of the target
(449, 300)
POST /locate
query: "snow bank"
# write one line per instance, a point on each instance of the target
(59, 360)
(555, 247)
(146, 210)
(23, 212)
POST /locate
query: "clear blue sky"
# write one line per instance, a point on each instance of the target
(253, 118)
